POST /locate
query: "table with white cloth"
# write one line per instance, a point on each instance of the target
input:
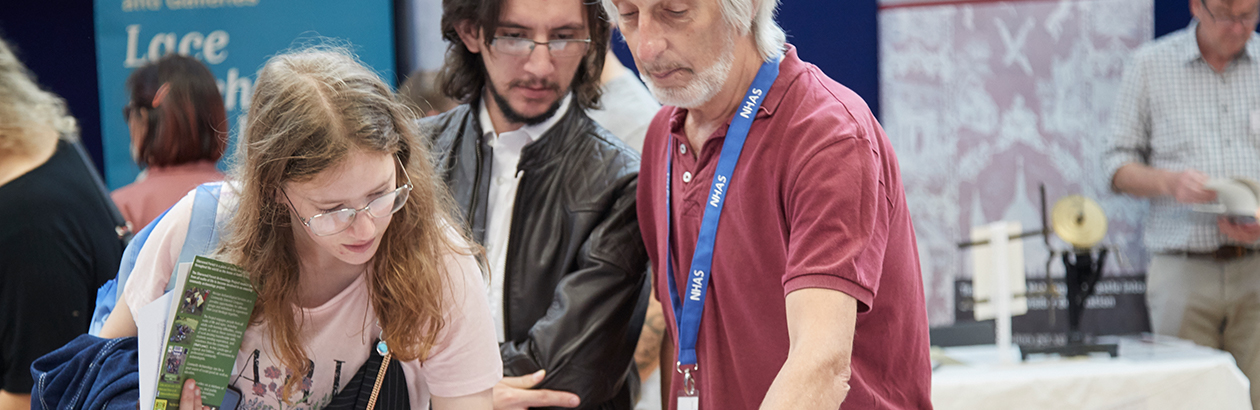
(1151, 372)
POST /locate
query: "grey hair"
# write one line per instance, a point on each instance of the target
(23, 105)
(756, 16)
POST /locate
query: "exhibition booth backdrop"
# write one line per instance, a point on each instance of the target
(1008, 96)
(1009, 93)
(233, 37)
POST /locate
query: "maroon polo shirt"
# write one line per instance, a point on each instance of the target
(816, 201)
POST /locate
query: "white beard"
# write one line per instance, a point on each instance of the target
(701, 89)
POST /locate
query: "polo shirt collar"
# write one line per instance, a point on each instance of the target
(534, 132)
(789, 69)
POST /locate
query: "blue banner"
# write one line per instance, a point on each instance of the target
(233, 37)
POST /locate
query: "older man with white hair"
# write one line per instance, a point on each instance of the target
(809, 295)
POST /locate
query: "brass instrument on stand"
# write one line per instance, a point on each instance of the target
(1080, 222)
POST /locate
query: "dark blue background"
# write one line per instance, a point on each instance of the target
(55, 39)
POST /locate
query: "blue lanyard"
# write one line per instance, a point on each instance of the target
(688, 315)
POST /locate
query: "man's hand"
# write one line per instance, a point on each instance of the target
(513, 393)
(1245, 233)
(1187, 187)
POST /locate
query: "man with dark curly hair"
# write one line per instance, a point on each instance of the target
(549, 193)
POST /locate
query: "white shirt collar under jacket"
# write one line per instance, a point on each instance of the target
(505, 179)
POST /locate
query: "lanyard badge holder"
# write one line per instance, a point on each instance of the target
(689, 396)
(688, 316)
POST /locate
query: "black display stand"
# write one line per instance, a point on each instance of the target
(1081, 274)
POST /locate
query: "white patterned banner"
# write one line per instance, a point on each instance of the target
(986, 100)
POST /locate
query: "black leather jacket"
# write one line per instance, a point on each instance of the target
(575, 288)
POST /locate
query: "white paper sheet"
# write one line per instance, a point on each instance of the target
(1255, 122)
(151, 328)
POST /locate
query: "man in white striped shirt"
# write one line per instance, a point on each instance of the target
(1188, 112)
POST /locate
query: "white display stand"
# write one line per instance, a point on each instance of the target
(998, 280)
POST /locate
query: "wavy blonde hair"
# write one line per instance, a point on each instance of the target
(310, 109)
(23, 105)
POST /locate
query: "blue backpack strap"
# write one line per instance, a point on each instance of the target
(202, 237)
(202, 233)
(108, 295)
(133, 250)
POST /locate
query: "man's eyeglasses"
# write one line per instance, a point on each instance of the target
(520, 46)
(1247, 20)
(332, 223)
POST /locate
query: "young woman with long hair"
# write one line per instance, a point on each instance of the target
(343, 228)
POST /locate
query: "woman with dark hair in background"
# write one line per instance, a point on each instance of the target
(178, 131)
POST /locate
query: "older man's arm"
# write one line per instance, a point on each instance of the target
(648, 352)
(1127, 156)
(1186, 186)
(820, 328)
